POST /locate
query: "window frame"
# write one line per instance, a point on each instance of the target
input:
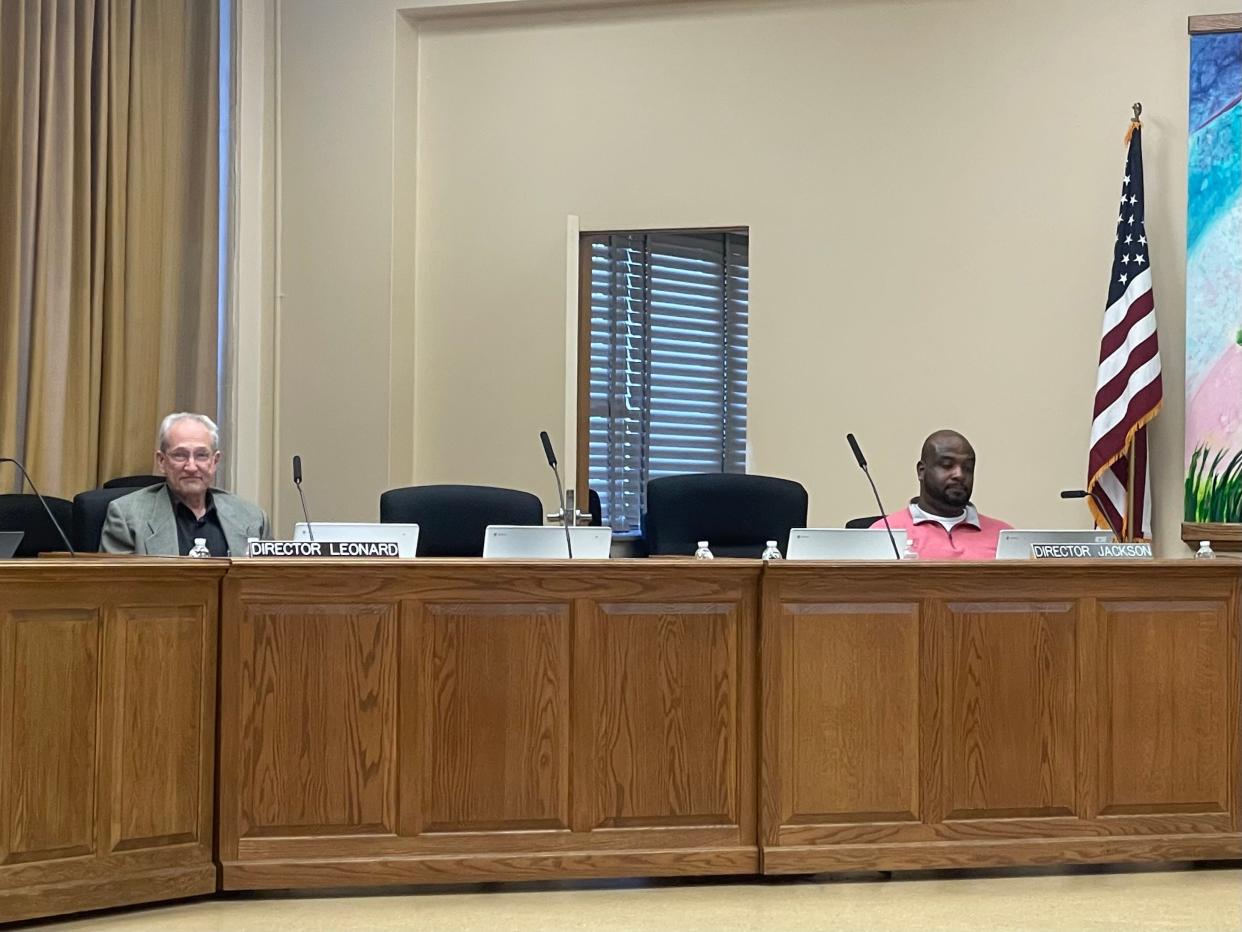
(583, 407)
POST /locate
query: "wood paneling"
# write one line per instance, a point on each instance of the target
(1072, 712)
(493, 712)
(159, 710)
(659, 699)
(1164, 741)
(1009, 717)
(107, 715)
(318, 683)
(468, 720)
(852, 748)
(532, 720)
(49, 749)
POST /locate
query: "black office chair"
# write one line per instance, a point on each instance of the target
(90, 509)
(596, 508)
(132, 482)
(452, 519)
(856, 523)
(735, 513)
(24, 513)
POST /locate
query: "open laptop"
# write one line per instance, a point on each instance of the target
(405, 536)
(833, 543)
(1016, 545)
(507, 541)
(9, 540)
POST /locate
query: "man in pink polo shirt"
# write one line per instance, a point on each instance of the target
(941, 523)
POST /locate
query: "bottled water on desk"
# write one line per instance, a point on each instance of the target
(200, 548)
(703, 553)
(771, 552)
(1205, 551)
(909, 553)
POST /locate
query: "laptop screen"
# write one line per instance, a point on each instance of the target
(9, 541)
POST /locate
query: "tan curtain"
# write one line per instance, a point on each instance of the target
(109, 119)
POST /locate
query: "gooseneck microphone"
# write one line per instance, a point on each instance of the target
(297, 480)
(42, 501)
(1090, 493)
(560, 490)
(862, 464)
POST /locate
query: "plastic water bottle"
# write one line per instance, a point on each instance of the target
(200, 548)
(1205, 551)
(250, 548)
(703, 553)
(909, 553)
(771, 551)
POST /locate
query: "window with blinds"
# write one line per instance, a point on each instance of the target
(668, 342)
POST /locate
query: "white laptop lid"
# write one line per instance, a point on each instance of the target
(834, 543)
(405, 536)
(9, 541)
(1016, 545)
(507, 541)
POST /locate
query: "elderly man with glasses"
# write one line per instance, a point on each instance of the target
(166, 519)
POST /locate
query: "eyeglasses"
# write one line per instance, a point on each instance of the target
(201, 456)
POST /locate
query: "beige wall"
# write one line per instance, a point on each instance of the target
(929, 186)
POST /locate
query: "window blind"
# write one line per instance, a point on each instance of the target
(668, 362)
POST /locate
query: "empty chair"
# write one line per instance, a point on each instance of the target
(735, 513)
(595, 508)
(858, 523)
(90, 509)
(452, 519)
(24, 513)
(132, 482)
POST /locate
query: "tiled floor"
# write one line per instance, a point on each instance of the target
(1203, 899)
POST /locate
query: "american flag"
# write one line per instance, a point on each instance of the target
(1128, 389)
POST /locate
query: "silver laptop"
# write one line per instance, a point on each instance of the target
(834, 543)
(8, 543)
(507, 541)
(1016, 545)
(405, 536)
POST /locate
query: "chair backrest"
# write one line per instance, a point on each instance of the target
(132, 482)
(24, 513)
(860, 523)
(90, 509)
(735, 513)
(596, 508)
(452, 519)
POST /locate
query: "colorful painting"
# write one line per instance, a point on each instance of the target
(1214, 281)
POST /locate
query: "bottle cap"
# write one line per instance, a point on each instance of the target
(1205, 543)
(703, 543)
(200, 541)
(771, 543)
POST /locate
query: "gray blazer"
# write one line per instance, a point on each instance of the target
(143, 522)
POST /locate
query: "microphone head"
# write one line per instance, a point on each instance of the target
(1075, 493)
(297, 469)
(858, 454)
(547, 448)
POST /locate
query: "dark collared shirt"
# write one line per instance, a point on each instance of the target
(207, 527)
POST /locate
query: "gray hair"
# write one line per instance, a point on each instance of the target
(168, 422)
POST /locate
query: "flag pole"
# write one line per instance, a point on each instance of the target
(1129, 525)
